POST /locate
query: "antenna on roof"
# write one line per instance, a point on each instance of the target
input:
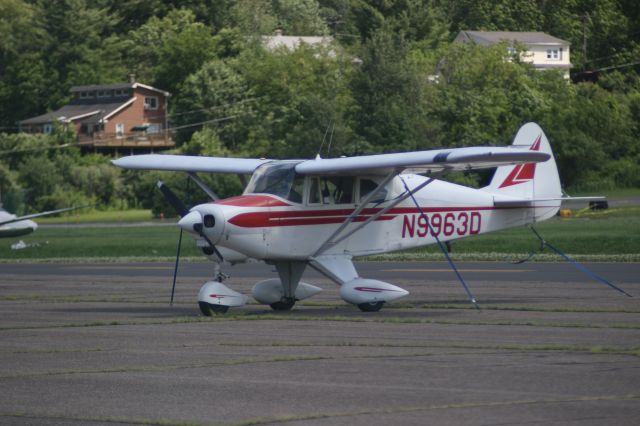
(323, 140)
(333, 127)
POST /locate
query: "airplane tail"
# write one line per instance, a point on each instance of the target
(535, 184)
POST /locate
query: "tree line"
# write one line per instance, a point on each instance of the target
(391, 81)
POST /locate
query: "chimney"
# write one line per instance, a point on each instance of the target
(132, 78)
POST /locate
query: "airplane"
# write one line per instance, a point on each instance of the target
(14, 226)
(323, 213)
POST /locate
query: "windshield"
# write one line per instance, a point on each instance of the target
(278, 179)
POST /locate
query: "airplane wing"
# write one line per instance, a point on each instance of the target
(34, 215)
(187, 163)
(414, 162)
(423, 161)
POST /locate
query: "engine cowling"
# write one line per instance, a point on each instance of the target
(270, 291)
(363, 290)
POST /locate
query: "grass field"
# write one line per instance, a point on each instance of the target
(612, 234)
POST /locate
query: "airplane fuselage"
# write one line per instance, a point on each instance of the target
(266, 226)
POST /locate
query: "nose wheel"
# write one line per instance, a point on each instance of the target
(370, 307)
(209, 309)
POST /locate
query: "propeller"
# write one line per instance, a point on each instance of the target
(189, 220)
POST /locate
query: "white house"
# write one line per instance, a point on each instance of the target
(291, 43)
(543, 51)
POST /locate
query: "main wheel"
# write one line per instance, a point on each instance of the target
(209, 309)
(371, 306)
(283, 305)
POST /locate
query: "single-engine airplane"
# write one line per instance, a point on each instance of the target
(322, 213)
(14, 226)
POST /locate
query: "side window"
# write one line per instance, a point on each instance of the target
(314, 191)
(343, 193)
(297, 189)
(331, 190)
(369, 185)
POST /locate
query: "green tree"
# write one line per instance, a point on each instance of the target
(166, 51)
(492, 15)
(300, 17)
(23, 75)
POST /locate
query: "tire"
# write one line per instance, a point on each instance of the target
(283, 305)
(370, 307)
(208, 309)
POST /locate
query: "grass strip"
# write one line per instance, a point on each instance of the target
(327, 415)
(610, 236)
(333, 318)
(609, 350)
(462, 405)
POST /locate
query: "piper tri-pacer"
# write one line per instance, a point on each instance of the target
(323, 213)
(14, 226)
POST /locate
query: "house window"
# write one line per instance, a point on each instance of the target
(119, 92)
(104, 93)
(154, 128)
(150, 102)
(86, 95)
(554, 54)
(119, 130)
(47, 128)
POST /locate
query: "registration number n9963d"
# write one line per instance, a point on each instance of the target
(442, 224)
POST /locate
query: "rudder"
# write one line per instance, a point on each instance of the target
(532, 181)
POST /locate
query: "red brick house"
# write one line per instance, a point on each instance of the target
(127, 115)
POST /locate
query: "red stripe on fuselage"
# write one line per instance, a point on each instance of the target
(266, 219)
(252, 201)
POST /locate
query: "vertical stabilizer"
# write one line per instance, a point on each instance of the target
(539, 181)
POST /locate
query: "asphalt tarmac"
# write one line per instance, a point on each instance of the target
(98, 344)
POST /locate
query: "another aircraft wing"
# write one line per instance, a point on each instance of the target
(423, 161)
(34, 215)
(187, 163)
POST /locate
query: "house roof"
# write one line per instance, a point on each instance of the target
(293, 42)
(116, 86)
(493, 37)
(82, 110)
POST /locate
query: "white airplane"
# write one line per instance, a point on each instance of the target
(323, 213)
(14, 226)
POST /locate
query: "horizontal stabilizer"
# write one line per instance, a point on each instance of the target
(526, 202)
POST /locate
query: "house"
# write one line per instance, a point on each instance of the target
(291, 43)
(543, 51)
(130, 115)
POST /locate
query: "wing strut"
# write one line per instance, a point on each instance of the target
(544, 243)
(440, 244)
(194, 177)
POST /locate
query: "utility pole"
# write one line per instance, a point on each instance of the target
(585, 17)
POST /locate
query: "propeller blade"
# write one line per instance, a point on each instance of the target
(175, 270)
(175, 202)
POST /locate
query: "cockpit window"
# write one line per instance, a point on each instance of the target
(331, 190)
(369, 185)
(278, 179)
